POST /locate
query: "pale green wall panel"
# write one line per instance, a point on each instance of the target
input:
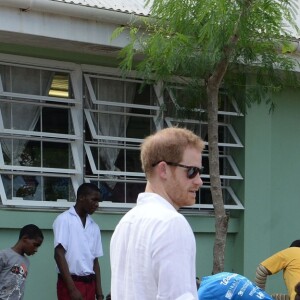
(41, 282)
(205, 244)
(272, 186)
(257, 186)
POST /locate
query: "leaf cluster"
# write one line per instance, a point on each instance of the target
(189, 39)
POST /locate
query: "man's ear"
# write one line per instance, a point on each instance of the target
(162, 170)
(80, 198)
(24, 238)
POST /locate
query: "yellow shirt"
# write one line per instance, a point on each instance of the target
(287, 260)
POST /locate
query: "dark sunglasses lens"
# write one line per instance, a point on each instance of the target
(192, 172)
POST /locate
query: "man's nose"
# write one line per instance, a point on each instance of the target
(198, 180)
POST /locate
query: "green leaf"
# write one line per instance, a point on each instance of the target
(116, 33)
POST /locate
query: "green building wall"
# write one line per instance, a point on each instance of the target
(270, 193)
(41, 281)
(272, 189)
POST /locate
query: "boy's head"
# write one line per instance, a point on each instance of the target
(30, 238)
(295, 243)
(88, 198)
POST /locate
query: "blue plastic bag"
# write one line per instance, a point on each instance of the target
(225, 285)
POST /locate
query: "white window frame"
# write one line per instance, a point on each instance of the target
(157, 88)
(75, 174)
(82, 74)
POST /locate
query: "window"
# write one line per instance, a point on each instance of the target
(39, 130)
(176, 115)
(119, 115)
(62, 123)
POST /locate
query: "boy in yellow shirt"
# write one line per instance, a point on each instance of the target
(287, 260)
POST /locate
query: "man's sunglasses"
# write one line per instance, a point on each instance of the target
(191, 171)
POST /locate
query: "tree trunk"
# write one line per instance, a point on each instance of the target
(221, 219)
(212, 88)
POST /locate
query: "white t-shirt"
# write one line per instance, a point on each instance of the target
(82, 244)
(152, 253)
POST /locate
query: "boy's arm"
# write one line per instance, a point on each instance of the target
(59, 256)
(261, 276)
(96, 268)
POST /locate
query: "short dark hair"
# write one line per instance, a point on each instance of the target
(31, 231)
(295, 243)
(87, 188)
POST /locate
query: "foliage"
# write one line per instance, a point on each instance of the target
(237, 46)
(190, 38)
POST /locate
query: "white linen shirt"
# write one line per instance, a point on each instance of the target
(152, 253)
(82, 244)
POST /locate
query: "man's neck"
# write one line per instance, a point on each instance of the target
(82, 215)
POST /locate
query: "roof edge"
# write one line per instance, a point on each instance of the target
(72, 10)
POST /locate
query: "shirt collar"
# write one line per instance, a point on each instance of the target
(73, 212)
(144, 198)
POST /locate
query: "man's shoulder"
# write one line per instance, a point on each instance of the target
(63, 215)
(154, 212)
(155, 200)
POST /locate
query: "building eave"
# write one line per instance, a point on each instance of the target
(76, 11)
